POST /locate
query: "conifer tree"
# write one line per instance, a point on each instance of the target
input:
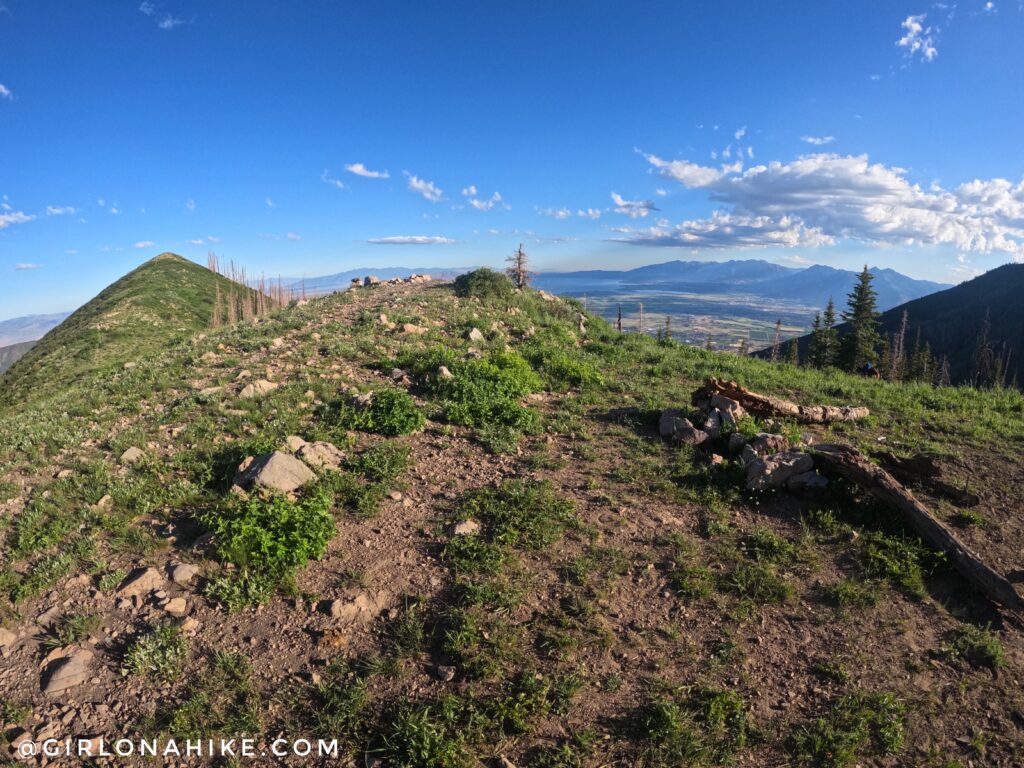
(860, 345)
(794, 352)
(829, 335)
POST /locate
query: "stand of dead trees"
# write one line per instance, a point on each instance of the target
(247, 297)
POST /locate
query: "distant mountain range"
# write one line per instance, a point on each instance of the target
(951, 320)
(811, 286)
(339, 281)
(28, 328)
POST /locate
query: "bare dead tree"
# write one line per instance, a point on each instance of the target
(518, 269)
(777, 341)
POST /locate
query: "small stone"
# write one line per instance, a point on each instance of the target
(445, 673)
(807, 481)
(293, 443)
(257, 388)
(7, 641)
(131, 455)
(277, 343)
(736, 442)
(466, 528)
(17, 737)
(765, 443)
(321, 455)
(475, 334)
(395, 495)
(189, 625)
(176, 606)
(183, 573)
(413, 330)
(275, 471)
(773, 471)
(444, 374)
(141, 581)
(67, 672)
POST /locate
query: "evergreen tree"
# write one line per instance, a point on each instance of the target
(814, 354)
(829, 335)
(860, 345)
(794, 352)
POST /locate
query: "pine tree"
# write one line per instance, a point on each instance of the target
(794, 353)
(518, 271)
(829, 336)
(898, 355)
(860, 345)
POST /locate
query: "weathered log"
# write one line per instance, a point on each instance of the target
(766, 405)
(849, 463)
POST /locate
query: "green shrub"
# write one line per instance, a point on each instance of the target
(390, 412)
(562, 367)
(520, 514)
(860, 725)
(158, 654)
(484, 284)
(268, 539)
(979, 646)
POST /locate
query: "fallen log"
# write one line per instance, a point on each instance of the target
(849, 463)
(766, 405)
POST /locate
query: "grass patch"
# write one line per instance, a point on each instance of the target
(390, 412)
(978, 646)
(862, 725)
(525, 515)
(158, 654)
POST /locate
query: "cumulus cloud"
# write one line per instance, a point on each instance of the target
(469, 191)
(690, 174)
(5, 93)
(213, 239)
(9, 217)
(489, 203)
(428, 189)
(163, 20)
(823, 198)
(818, 141)
(740, 133)
(144, 244)
(326, 178)
(197, 241)
(727, 230)
(26, 265)
(361, 170)
(555, 213)
(411, 240)
(589, 213)
(918, 40)
(60, 210)
(635, 209)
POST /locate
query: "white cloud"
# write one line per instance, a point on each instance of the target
(293, 236)
(326, 178)
(213, 239)
(26, 265)
(918, 40)
(164, 20)
(270, 203)
(169, 22)
(361, 170)
(5, 93)
(555, 213)
(144, 244)
(726, 230)
(190, 205)
(690, 174)
(488, 204)
(635, 209)
(60, 210)
(824, 198)
(411, 240)
(469, 191)
(661, 192)
(147, 8)
(428, 189)
(589, 213)
(13, 217)
(818, 141)
(197, 241)
(740, 133)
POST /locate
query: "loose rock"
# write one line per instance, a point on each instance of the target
(773, 471)
(257, 388)
(141, 581)
(67, 672)
(321, 455)
(131, 455)
(275, 471)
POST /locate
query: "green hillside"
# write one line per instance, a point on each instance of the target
(166, 299)
(495, 555)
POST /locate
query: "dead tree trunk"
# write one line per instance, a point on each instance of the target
(849, 463)
(765, 405)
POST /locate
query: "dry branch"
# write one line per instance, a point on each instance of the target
(849, 463)
(765, 405)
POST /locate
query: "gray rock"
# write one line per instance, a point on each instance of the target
(765, 443)
(141, 581)
(731, 410)
(371, 280)
(293, 443)
(807, 482)
(257, 388)
(736, 442)
(444, 374)
(445, 673)
(131, 455)
(275, 471)
(466, 528)
(670, 422)
(713, 424)
(321, 455)
(183, 573)
(413, 330)
(773, 471)
(475, 335)
(67, 672)
(176, 606)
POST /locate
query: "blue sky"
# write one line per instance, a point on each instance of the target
(309, 138)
